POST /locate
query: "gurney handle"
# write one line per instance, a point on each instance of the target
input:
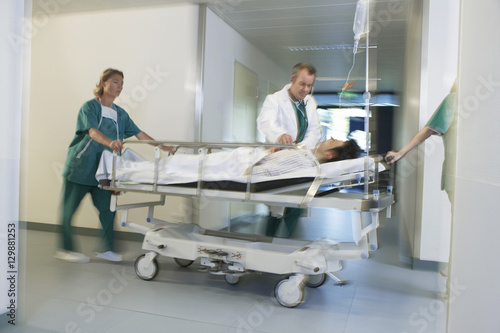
(136, 227)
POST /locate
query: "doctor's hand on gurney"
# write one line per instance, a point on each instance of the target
(285, 139)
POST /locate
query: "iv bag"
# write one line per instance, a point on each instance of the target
(359, 19)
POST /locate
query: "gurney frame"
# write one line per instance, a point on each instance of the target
(302, 263)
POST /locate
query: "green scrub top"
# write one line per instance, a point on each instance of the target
(84, 153)
(440, 123)
(443, 116)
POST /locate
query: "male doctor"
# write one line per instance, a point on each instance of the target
(289, 116)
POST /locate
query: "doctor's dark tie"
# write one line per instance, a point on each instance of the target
(302, 121)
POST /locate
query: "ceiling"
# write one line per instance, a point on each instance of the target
(322, 28)
(324, 31)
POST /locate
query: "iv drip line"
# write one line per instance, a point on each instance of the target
(358, 28)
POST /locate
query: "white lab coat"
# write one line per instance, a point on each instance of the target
(278, 117)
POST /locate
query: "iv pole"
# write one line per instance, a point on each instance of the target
(366, 96)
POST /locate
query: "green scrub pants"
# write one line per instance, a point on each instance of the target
(72, 196)
(291, 218)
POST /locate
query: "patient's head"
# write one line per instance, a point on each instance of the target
(332, 150)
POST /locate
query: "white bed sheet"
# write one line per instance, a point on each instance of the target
(183, 168)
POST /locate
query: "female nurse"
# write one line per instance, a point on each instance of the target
(100, 125)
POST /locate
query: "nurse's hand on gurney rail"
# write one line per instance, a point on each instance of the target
(97, 136)
(116, 146)
(393, 156)
(145, 136)
(169, 149)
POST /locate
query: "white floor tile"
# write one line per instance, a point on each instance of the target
(144, 322)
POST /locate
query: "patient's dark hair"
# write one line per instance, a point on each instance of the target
(347, 151)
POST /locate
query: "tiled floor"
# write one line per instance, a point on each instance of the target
(381, 297)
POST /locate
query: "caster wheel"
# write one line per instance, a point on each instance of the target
(288, 294)
(144, 270)
(232, 279)
(183, 262)
(315, 281)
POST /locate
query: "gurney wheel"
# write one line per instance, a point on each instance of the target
(315, 281)
(232, 279)
(145, 272)
(183, 262)
(288, 294)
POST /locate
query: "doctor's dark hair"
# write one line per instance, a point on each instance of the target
(99, 90)
(347, 151)
(303, 65)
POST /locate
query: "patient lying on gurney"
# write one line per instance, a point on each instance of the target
(290, 160)
(226, 165)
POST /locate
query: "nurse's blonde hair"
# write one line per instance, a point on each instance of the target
(99, 90)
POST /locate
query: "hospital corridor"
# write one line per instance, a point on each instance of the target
(249, 166)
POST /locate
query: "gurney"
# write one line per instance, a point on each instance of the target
(231, 254)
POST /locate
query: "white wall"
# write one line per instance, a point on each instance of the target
(475, 296)
(431, 67)
(12, 55)
(439, 70)
(224, 46)
(154, 47)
